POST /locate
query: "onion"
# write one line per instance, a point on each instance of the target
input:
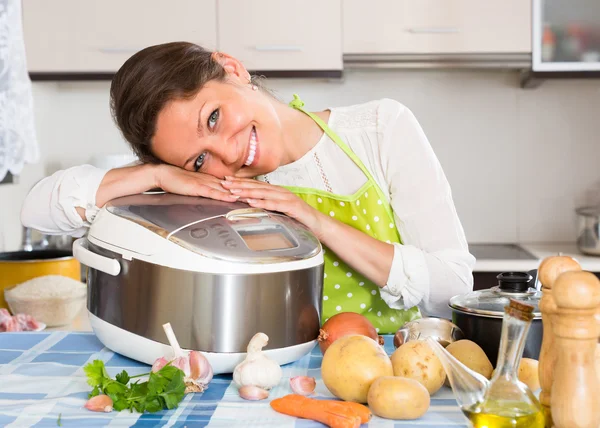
(343, 324)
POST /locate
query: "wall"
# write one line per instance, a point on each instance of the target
(519, 161)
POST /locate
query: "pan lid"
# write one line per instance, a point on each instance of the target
(591, 211)
(490, 303)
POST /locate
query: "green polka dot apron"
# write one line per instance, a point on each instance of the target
(346, 290)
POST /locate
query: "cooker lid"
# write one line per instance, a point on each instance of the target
(491, 302)
(230, 231)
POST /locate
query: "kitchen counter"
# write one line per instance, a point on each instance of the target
(539, 252)
(42, 380)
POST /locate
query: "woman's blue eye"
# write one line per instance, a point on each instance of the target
(199, 162)
(212, 119)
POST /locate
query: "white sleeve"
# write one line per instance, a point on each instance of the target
(50, 206)
(433, 262)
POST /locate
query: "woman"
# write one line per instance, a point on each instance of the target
(363, 178)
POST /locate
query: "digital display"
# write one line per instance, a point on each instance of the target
(263, 241)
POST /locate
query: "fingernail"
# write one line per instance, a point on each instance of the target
(235, 196)
(236, 190)
(229, 177)
(251, 201)
(226, 183)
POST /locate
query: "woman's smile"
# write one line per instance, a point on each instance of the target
(252, 158)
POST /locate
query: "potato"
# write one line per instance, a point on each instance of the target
(393, 397)
(416, 360)
(528, 373)
(471, 355)
(351, 364)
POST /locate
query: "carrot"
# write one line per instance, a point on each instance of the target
(360, 409)
(316, 410)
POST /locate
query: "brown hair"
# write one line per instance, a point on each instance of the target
(150, 79)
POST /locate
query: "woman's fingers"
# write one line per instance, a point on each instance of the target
(260, 193)
(246, 183)
(210, 192)
(184, 182)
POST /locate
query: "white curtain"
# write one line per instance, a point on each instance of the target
(18, 142)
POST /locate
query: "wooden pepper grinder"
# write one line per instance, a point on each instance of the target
(550, 268)
(575, 388)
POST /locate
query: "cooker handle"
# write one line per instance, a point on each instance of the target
(245, 213)
(93, 260)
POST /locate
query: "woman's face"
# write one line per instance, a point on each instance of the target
(227, 129)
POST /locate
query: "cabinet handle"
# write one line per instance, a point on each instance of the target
(278, 48)
(433, 30)
(119, 50)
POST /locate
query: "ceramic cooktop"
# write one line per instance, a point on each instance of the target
(500, 252)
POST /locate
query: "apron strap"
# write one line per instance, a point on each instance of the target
(298, 104)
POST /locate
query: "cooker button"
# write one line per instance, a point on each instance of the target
(216, 226)
(199, 233)
(223, 234)
(231, 243)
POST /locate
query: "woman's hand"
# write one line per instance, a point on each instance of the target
(274, 198)
(140, 178)
(177, 180)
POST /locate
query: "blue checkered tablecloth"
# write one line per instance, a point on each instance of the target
(42, 379)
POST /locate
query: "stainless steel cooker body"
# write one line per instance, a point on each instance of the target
(230, 286)
(208, 312)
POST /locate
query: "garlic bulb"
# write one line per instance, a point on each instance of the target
(257, 369)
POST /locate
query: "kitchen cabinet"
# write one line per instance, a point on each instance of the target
(282, 35)
(436, 27)
(566, 36)
(90, 36)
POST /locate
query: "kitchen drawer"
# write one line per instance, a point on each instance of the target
(282, 35)
(437, 26)
(99, 36)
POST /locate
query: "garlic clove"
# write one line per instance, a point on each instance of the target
(254, 393)
(183, 364)
(159, 364)
(303, 385)
(200, 369)
(100, 403)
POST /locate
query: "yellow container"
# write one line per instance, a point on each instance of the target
(20, 266)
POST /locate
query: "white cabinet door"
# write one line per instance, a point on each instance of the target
(437, 26)
(74, 36)
(282, 34)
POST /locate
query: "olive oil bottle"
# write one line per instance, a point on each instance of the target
(504, 414)
(503, 401)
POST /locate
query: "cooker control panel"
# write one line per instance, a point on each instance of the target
(268, 238)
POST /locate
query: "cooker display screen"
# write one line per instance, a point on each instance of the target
(266, 240)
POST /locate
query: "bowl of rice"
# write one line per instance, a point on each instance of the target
(54, 300)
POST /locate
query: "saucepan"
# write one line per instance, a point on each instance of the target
(588, 234)
(19, 266)
(479, 314)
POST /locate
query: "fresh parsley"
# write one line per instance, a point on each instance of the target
(163, 389)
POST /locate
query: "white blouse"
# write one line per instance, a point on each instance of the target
(433, 263)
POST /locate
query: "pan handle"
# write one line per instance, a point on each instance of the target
(93, 260)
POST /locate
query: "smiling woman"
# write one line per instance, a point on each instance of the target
(363, 178)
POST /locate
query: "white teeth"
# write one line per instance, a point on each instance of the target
(252, 148)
